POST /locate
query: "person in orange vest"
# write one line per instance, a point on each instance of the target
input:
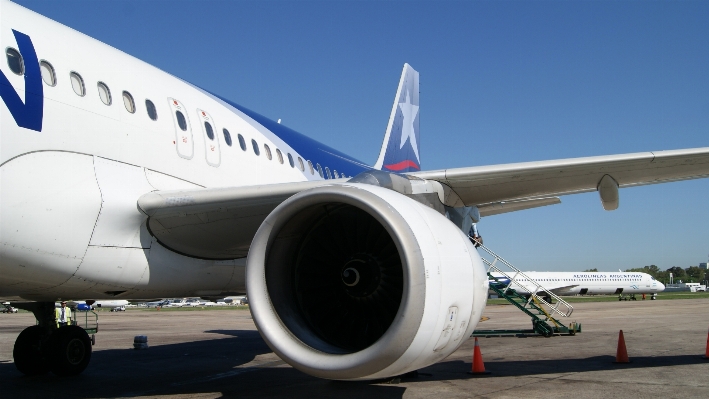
(62, 315)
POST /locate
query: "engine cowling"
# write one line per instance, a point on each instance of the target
(353, 281)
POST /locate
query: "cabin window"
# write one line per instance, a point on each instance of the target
(77, 83)
(300, 164)
(227, 137)
(48, 74)
(290, 160)
(209, 130)
(268, 151)
(310, 165)
(128, 102)
(152, 112)
(328, 175)
(255, 145)
(181, 122)
(105, 93)
(242, 143)
(280, 155)
(14, 61)
(320, 171)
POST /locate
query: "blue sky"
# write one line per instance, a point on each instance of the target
(501, 82)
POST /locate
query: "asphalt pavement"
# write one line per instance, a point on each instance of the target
(219, 353)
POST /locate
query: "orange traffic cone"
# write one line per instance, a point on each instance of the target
(478, 366)
(706, 356)
(621, 355)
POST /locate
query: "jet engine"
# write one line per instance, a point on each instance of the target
(353, 282)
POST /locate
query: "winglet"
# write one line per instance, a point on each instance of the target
(400, 150)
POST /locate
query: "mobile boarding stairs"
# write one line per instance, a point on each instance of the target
(542, 305)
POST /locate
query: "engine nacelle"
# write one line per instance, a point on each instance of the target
(353, 281)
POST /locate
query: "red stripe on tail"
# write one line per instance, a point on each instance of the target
(402, 165)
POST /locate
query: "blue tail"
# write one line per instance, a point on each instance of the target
(400, 150)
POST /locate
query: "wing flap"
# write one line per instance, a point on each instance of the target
(497, 208)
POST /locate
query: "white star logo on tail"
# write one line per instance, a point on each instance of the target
(409, 111)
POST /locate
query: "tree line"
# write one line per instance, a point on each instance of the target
(692, 274)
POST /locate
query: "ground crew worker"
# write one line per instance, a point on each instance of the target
(474, 236)
(62, 315)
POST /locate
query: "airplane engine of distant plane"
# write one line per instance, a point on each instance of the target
(356, 281)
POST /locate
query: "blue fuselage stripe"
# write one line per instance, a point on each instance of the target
(306, 147)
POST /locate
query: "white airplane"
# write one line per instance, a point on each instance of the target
(583, 283)
(160, 302)
(121, 181)
(109, 304)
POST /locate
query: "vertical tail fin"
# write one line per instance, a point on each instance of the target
(400, 150)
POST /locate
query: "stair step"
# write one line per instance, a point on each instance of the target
(536, 307)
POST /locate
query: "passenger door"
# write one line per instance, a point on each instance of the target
(183, 131)
(211, 138)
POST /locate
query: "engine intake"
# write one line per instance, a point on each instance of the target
(345, 277)
(339, 288)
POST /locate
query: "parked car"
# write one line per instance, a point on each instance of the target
(155, 304)
(175, 303)
(6, 308)
(194, 302)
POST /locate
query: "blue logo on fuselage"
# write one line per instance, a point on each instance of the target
(27, 114)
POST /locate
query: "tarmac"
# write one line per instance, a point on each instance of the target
(219, 353)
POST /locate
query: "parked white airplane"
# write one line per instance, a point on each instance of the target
(154, 304)
(573, 283)
(120, 181)
(107, 304)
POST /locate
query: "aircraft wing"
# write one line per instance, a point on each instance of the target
(219, 223)
(495, 184)
(563, 290)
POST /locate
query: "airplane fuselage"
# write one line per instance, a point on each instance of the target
(94, 130)
(591, 283)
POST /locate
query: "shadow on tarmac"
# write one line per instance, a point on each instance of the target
(219, 366)
(459, 369)
(242, 365)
